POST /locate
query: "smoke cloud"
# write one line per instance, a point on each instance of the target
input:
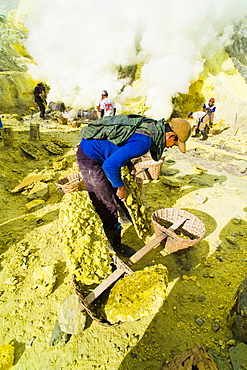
(78, 46)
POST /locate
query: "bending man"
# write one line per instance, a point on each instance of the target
(200, 126)
(110, 143)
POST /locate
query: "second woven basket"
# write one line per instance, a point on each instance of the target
(153, 169)
(188, 234)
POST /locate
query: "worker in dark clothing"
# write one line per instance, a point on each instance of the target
(39, 97)
(110, 143)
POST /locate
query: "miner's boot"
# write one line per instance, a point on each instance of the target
(204, 135)
(114, 237)
(197, 132)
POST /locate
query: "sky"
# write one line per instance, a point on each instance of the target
(78, 46)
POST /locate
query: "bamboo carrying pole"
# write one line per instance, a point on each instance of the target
(7, 136)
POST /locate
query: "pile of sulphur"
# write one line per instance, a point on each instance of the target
(139, 294)
(135, 205)
(6, 356)
(84, 240)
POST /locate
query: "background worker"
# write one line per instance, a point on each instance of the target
(210, 108)
(200, 126)
(40, 98)
(107, 105)
(110, 143)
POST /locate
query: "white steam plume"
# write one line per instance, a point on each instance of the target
(78, 46)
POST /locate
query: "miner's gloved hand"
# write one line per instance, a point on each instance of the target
(122, 193)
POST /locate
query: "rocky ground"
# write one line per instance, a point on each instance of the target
(208, 181)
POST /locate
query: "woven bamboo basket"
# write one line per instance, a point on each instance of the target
(65, 184)
(135, 160)
(75, 124)
(148, 157)
(189, 233)
(153, 169)
(194, 358)
(62, 120)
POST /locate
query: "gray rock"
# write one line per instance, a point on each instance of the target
(199, 321)
(173, 182)
(216, 325)
(231, 239)
(71, 319)
(238, 313)
(35, 204)
(39, 191)
(238, 356)
(58, 337)
(241, 165)
(201, 298)
(200, 199)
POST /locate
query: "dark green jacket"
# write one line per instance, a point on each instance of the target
(118, 129)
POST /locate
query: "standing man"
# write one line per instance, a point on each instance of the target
(109, 144)
(210, 109)
(107, 105)
(39, 97)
